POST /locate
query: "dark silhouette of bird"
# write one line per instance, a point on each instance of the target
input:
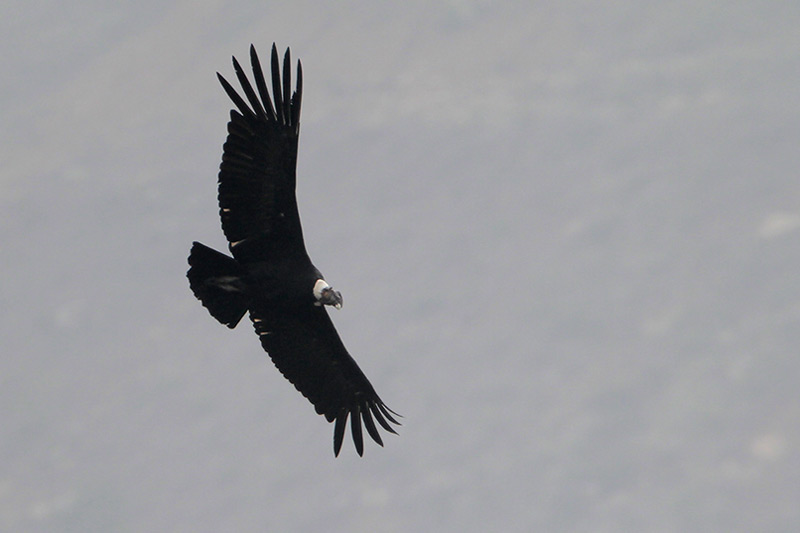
(270, 275)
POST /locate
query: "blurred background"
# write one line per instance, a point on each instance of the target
(567, 234)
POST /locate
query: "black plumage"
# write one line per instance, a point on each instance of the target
(270, 274)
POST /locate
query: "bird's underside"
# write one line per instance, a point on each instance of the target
(270, 276)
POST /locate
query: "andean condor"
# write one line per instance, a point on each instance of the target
(270, 274)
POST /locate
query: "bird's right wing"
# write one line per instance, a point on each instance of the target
(257, 200)
(305, 347)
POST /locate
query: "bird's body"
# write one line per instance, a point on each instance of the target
(270, 275)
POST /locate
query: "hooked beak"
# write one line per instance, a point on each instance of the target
(331, 297)
(325, 294)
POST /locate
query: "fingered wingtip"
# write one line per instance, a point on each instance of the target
(362, 415)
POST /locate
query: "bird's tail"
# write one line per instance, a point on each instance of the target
(218, 281)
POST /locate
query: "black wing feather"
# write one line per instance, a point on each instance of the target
(355, 427)
(258, 74)
(287, 87)
(381, 420)
(233, 95)
(297, 98)
(338, 433)
(370, 424)
(276, 85)
(248, 91)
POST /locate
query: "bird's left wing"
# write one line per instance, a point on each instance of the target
(305, 347)
(257, 177)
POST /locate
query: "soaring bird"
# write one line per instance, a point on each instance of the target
(270, 274)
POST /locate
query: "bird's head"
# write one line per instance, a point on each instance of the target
(325, 295)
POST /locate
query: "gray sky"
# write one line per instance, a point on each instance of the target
(568, 236)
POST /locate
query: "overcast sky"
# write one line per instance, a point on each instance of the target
(567, 234)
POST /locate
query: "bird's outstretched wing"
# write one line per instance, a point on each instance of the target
(305, 347)
(257, 200)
